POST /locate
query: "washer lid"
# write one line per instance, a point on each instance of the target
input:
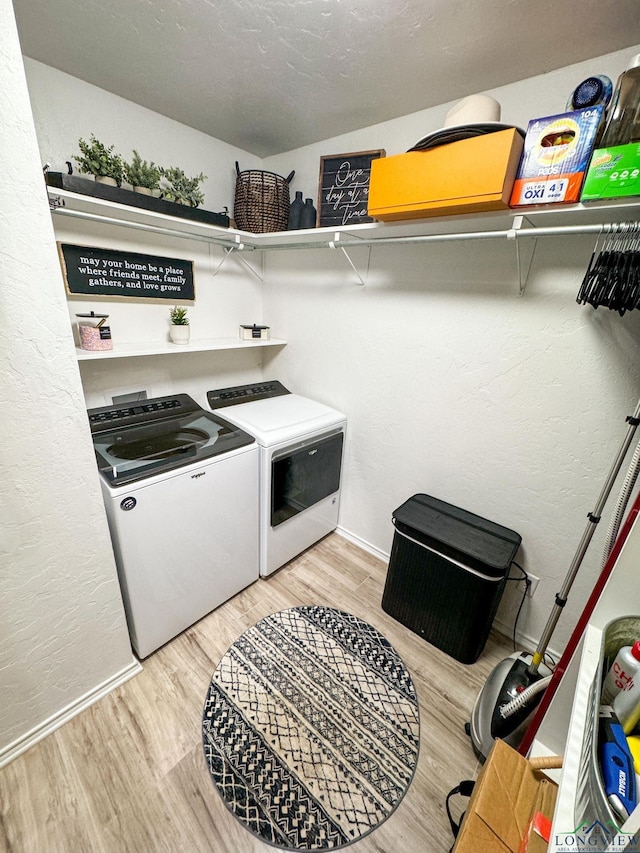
(157, 435)
(285, 418)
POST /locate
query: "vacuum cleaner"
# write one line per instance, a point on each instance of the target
(508, 700)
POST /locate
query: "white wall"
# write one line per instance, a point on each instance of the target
(510, 407)
(63, 635)
(66, 109)
(222, 302)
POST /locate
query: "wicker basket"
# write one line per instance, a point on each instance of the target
(262, 201)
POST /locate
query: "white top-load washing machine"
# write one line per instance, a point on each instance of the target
(180, 487)
(301, 449)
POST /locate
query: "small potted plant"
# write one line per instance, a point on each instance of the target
(100, 161)
(144, 177)
(179, 330)
(177, 187)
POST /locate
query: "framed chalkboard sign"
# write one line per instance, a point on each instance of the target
(343, 191)
(89, 271)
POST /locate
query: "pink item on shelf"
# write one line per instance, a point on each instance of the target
(94, 334)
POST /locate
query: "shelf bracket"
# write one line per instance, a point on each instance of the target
(228, 251)
(523, 263)
(335, 244)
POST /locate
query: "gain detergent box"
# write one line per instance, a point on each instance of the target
(555, 157)
(613, 173)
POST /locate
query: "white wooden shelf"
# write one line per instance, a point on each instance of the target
(129, 350)
(86, 207)
(546, 220)
(582, 728)
(513, 225)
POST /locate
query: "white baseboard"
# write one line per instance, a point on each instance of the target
(524, 642)
(362, 543)
(30, 738)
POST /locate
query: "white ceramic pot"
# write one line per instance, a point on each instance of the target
(143, 190)
(180, 334)
(104, 179)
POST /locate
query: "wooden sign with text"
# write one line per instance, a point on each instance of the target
(89, 271)
(343, 192)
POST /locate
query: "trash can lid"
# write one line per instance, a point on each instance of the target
(465, 532)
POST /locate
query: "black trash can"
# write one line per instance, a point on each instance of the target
(447, 572)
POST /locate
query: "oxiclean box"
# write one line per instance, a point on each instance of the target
(555, 157)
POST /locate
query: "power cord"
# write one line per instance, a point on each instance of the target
(549, 660)
(527, 585)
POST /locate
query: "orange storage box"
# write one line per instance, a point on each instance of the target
(469, 176)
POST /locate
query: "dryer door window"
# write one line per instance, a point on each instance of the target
(304, 476)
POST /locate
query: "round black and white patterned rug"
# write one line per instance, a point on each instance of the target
(311, 728)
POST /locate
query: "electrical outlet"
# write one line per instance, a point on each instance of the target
(534, 581)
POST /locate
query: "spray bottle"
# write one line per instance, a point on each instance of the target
(626, 702)
(624, 670)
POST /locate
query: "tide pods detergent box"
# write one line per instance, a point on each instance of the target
(613, 173)
(555, 157)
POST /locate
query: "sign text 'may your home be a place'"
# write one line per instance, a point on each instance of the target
(90, 271)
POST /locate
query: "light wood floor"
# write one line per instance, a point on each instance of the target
(128, 774)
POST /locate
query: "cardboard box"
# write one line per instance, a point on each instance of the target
(555, 158)
(613, 173)
(537, 835)
(469, 176)
(506, 796)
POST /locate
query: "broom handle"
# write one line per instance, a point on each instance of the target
(594, 518)
(546, 762)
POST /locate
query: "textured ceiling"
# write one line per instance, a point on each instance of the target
(272, 75)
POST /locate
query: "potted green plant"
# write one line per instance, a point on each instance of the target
(179, 330)
(143, 176)
(177, 187)
(101, 162)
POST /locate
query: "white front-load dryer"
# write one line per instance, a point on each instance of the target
(301, 445)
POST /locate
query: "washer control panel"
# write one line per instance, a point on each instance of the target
(108, 417)
(245, 394)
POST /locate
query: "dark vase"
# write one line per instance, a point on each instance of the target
(295, 211)
(308, 214)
